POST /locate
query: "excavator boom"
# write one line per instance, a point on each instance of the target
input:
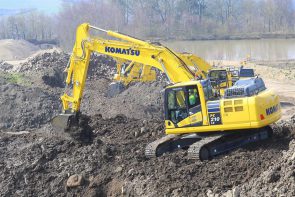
(124, 48)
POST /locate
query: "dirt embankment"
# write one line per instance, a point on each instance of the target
(113, 163)
(16, 49)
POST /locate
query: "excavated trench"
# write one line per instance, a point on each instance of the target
(37, 163)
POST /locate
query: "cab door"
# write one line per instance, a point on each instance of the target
(182, 107)
(194, 106)
(176, 112)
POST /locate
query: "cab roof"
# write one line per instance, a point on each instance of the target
(187, 83)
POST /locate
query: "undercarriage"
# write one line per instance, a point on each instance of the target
(206, 146)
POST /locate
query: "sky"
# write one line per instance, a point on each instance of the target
(46, 6)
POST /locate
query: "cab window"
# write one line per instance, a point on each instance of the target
(177, 109)
(217, 77)
(193, 100)
(208, 91)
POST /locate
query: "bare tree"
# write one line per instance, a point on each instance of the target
(155, 18)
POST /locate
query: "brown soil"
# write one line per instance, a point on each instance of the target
(36, 163)
(112, 163)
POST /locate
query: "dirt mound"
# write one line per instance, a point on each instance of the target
(25, 107)
(48, 67)
(278, 179)
(45, 59)
(36, 88)
(141, 100)
(4, 66)
(31, 161)
(16, 49)
(101, 66)
(114, 164)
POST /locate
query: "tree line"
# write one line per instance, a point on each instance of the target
(175, 19)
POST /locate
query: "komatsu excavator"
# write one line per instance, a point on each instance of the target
(136, 72)
(131, 71)
(196, 119)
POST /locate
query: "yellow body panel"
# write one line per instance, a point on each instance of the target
(191, 120)
(196, 118)
(236, 113)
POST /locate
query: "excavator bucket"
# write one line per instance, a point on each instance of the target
(115, 88)
(71, 125)
(63, 121)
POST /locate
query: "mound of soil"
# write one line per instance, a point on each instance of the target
(43, 60)
(101, 66)
(4, 66)
(279, 178)
(49, 65)
(44, 72)
(16, 49)
(25, 107)
(140, 100)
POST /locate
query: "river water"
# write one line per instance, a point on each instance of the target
(264, 49)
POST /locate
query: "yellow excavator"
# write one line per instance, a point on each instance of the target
(134, 72)
(131, 71)
(196, 119)
(137, 72)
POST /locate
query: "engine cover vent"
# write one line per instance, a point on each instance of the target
(245, 88)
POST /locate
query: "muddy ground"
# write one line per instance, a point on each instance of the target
(38, 162)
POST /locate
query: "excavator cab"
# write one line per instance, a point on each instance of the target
(220, 79)
(183, 104)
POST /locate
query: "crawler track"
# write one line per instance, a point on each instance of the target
(202, 147)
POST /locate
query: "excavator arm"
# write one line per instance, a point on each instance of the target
(200, 66)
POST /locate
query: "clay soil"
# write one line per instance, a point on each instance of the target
(37, 161)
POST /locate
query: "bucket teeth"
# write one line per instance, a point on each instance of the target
(62, 121)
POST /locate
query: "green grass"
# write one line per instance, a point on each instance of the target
(16, 78)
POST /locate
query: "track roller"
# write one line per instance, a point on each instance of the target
(210, 147)
(206, 147)
(168, 143)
